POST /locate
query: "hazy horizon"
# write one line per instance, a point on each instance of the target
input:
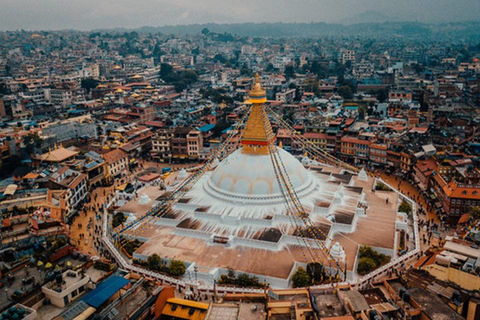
(88, 15)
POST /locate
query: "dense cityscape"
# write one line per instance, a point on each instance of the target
(210, 175)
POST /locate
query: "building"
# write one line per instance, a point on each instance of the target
(455, 198)
(141, 113)
(74, 185)
(319, 140)
(180, 143)
(66, 288)
(95, 168)
(162, 145)
(423, 171)
(378, 154)
(348, 55)
(180, 309)
(117, 163)
(355, 148)
(194, 144)
(56, 156)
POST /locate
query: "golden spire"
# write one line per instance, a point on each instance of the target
(258, 133)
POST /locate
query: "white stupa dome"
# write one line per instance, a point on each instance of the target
(251, 178)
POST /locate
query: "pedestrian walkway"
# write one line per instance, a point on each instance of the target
(85, 231)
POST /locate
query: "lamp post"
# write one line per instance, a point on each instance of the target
(6, 293)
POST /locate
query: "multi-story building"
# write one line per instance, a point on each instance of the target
(180, 143)
(162, 145)
(378, 154)
(194, 144)
(75, 185)
(455, 198)
(317, 139)
(95, 168)
(423, 171)
(141, 114)
(62, 97)
(348, 55)
(355, 148)
(117, 163)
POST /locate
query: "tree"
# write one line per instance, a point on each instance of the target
(31, 141)
(345, 92)
(300, 278)
(405, 207)
(366, 265)
(154, 261)
(176, 268)
(219, 58)
(475, 211)
(89, 84)
(117, 219)
(378, 258)
(205, 31)
(165, 70)
(382, 95)
(315, 270)
(289, 72)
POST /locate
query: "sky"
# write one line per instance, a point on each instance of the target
(95, 14)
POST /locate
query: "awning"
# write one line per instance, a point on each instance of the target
(104, 291)
(464, 218)
(122, 187)
(10, 190)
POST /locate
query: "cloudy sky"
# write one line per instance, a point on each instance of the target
(92, 14)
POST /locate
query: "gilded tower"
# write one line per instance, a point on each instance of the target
(258, 133)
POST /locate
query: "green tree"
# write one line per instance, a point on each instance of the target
(117, 219)
(311, 85)
(475, 211)
(89, 84)
(289, 72)
(165, 70)
(382, 95)
(31, 141)
(366, 265)
(300, 278)
(405, 207)
(154, 261)
(345, 92)
(176, 268)
(205, 31)
(315, 270)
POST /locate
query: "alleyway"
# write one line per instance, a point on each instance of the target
(88, 240)
(432, 237)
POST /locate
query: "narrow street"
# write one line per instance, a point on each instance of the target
(88, 239)
(428, 236)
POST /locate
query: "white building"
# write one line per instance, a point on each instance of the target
(69, 287)
(75, 184)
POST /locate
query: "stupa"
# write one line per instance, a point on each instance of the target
(236, 217)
